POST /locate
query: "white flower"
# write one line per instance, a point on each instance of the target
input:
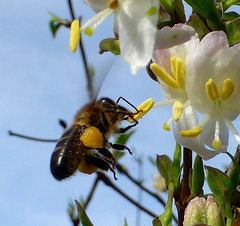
(213, 88)
(172, 68)
(137, 27)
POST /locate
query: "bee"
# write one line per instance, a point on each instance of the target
(85, 145)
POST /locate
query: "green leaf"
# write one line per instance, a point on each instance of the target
(82, 215)
(208, 10)
(218, 182)
(233, 32)
(228, 3)
(197, 23)
(125, 222)
(56, 22)
(124, 137)
(109, 45)
(176, 166)
(164, 165)
(197, 176)
(230, 16)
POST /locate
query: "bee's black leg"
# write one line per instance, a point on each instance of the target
(101, 164)
(121, 147)
(106, 153)
(123, 130)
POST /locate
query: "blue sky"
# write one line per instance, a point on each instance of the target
(42, 81)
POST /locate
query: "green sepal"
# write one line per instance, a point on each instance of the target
(197, 179)
(84, 219)
(164, 165)
(109, 45)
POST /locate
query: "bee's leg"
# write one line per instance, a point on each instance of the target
(106, 153)
(121, 147)
(101, 164)
(123, 130)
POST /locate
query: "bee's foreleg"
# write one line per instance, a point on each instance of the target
(121, 147)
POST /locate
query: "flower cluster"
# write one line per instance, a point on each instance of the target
(201, 78)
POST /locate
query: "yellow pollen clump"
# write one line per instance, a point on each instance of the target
(212, 90)
(177, 110)
(228, 88)
(86, 168)
(143, 108)
(112, 4)
(92, 137)
(74, 35)
(166, 126)
(192, 132)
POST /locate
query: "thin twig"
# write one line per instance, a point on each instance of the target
(11, 133)
(108, 182)
(84, 58)
(90, 195)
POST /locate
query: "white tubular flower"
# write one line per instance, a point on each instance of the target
(213, 88)
(137, 24)
(170, 67)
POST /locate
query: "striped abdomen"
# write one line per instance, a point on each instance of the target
(67, 154)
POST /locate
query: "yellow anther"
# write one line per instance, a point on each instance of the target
(112, 4)
(216, 144)
(178, 70)
(212, 90)
(89, 31)
(228, 89)
(177, 110)
(163, 75)
(143, 108)
(152, 11)
(92, 137)
(166, 126)
(74, 35)
(192, 132)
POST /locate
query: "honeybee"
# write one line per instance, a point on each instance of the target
(85, 145)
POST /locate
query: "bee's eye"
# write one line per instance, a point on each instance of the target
(108, 103)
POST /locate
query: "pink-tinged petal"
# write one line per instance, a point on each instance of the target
(97, 5)
(178, 34)
(137, 32)
(187, 121)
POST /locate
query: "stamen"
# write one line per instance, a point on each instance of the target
(95, 21)
(178, 70)
(143, 108)
(74, 35)
(192, 132)
(228, 89)
(216, 142)
(212, 90)
(163, 75)
(166, 125)
(177, 110)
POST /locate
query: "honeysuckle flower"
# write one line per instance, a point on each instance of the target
(203, 211)
(213, 88)
(137, 26)
(170, 66)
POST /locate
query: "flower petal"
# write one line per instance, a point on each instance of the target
(189, 120)
(137, 31)
(97, 5)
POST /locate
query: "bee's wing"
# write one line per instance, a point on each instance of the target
(102, 69)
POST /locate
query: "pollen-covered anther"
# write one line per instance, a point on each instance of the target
(92, 137)
(192, 132)
(143, 108)
(228, 89)
(178, 70)
(89, 31)
(166, 126)
(163, 75)
(212, 90)
(177, 110)
(74, 35)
